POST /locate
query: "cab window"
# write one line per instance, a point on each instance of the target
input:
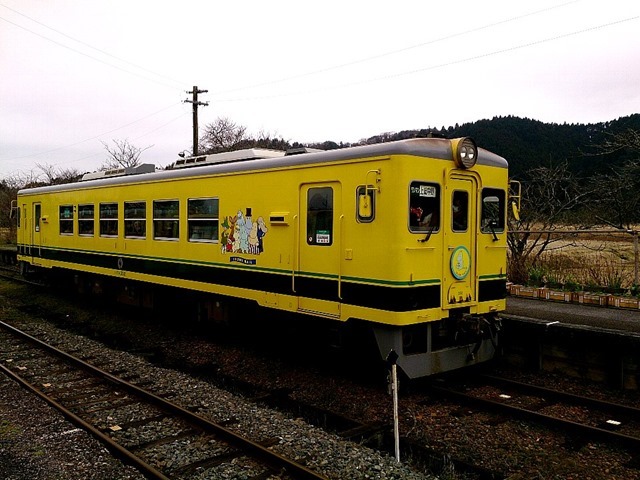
(320, 216)
(492, 217)
(424, 207)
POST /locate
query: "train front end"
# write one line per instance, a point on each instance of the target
(453, 251)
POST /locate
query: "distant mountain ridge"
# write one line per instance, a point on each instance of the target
(527, 143)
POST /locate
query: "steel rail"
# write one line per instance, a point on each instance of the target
(114, 447)
(594, 432)
(616, 408)
(268, 456)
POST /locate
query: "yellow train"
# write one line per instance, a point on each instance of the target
(407, 238)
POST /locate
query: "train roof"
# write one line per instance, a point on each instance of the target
(422, 147)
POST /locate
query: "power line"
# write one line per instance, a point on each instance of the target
(162, 126)
(92, 47)
(94, 137)
(89, 56)
(433, 67)
(397, 51)
(63, 162)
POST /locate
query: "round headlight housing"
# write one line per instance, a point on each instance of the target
(466, 153)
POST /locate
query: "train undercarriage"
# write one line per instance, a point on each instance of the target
(426, 349)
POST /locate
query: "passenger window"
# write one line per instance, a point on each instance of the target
(85, 220)
(108, 219)
(424, 207)
(460, 211)
(135, 219)
(492, 218)
(365, 204)
(166, 219)
(203, 220)
(320, 216)
(66, 219)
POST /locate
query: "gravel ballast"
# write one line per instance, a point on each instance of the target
(37, 443)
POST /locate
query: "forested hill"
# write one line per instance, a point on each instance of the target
(527, 143)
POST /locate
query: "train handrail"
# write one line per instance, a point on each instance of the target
(340, 244)
(373, 187)
(296, 249)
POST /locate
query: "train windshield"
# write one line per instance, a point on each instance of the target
(424, 207)
(492, 218)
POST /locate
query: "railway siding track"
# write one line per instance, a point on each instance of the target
(583, 417)
(160, 438)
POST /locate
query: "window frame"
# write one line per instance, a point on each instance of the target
(160, 220)
(502, 205)
(415, 189)
(315, 236)
(365, 190)
(67, 221)
(86, 221)
(37, 216)
(454, 194)
(213, 218)
(131, 220)
(108, 220)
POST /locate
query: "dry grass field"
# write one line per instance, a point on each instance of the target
(5, 236)
(588, 261)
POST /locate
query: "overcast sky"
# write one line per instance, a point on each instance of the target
(76, 73)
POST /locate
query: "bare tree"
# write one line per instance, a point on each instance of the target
(55, 176)
(617, 200)
(549, 201)
(223, 135)
(614, 142)
(122, 155)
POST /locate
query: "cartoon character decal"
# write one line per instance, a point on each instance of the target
(460, 262)
(240, 234)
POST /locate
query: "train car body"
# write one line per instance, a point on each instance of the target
(408, 238)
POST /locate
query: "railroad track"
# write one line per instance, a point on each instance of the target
(160, 438)
(11, 272)
(584, 417)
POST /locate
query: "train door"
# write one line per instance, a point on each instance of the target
(317, 281)
(459, 271)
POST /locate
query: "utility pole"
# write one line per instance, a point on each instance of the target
(196, 103)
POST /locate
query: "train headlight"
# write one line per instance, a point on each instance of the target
(466, 153)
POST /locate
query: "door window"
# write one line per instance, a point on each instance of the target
(320, 216)
(460, 211)
(37, 214)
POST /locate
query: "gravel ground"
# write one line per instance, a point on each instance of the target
(36, 442)
(51, 448)
(520, 450)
